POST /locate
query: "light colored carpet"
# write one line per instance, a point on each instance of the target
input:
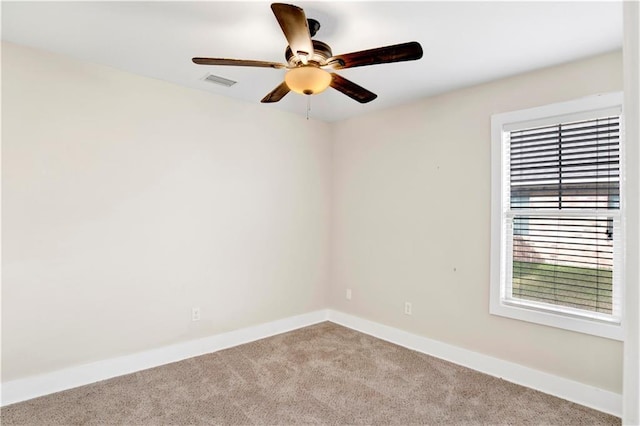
(324, 374)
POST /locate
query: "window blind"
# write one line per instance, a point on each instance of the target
(564, 183)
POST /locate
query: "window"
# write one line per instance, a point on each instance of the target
(556, 255)
(520, 224)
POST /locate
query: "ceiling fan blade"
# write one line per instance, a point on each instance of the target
(237, 62)
(351, 89)
(382, 55)
(295, 27)
(276, 94)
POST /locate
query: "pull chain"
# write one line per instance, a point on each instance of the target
(308, 105)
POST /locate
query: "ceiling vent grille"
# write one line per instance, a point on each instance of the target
(219, 80)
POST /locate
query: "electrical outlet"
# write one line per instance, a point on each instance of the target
(348, 296)
(407, 308)
(195, 314)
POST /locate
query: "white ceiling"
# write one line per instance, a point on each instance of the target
(464, 43)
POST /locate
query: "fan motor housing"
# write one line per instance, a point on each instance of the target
(321, 52)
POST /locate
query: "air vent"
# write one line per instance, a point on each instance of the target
(219, 80)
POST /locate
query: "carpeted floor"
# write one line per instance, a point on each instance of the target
(324, 374)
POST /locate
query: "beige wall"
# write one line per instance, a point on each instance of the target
(127, 201)
(411, 221)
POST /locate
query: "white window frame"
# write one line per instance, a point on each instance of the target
(501, 125)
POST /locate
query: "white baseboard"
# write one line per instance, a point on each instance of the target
(44, 384)
(32, 387)
(590, 396)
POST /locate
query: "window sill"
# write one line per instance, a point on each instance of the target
(609, 330)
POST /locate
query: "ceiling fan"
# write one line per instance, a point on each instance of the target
(310, 63)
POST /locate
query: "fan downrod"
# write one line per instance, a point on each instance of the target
(314, 26)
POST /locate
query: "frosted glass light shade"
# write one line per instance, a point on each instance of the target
(307, 80)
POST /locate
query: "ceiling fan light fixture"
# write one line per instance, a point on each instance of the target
(308, 60)
(307, 80)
